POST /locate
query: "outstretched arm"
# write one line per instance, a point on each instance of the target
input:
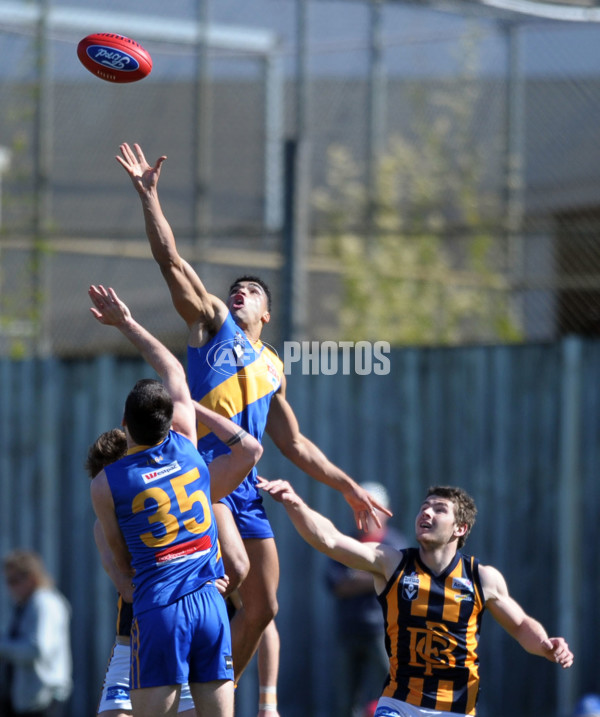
(229, 470)
(529, 633)
(111, 311)
(203, 312)
(282, 427)
(318, 531)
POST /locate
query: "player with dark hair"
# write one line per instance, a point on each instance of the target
(155, 512)
(231, 371)
(432, 599)
(115, 700)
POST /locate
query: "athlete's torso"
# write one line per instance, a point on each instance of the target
(432, 632)
(162, 502)
(235, 378)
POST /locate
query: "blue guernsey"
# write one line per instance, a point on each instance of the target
(162, 502)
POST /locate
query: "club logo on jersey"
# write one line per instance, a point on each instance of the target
(410, 586)
(161, 472)
(432, 647)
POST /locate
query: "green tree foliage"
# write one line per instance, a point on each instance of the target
(421, 261)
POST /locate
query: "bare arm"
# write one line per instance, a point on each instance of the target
(282, 427)
(319, 532)
(529, 633)
(104, 508)
(229, 470)
(204, 313)
(111, 311)
(121, 581)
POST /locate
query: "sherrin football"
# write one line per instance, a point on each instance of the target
(114, 58)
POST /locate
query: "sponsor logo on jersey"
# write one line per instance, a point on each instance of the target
(462, 584)
(161, 472)
(193, 548)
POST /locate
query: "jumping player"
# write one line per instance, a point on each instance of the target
(231, 371)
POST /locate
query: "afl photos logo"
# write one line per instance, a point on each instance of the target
(237, 356)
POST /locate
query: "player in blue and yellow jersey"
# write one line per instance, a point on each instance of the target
(231, 371)
(154, 507)
(109, 447)
(433, 598)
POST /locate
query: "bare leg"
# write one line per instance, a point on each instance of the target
(213, 699)
(268, 671)
(155, 701)
(235, 558)
(259, 601)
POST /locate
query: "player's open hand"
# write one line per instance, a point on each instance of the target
(365, 507)
(108, 308)
(143, 175)
(558, 651)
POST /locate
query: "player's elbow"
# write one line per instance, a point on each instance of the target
(255, 451)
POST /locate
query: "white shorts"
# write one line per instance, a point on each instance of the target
(115, 690)
(389, 707)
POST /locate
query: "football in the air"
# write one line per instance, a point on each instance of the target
(114, 58)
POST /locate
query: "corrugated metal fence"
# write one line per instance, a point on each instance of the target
(516, 426)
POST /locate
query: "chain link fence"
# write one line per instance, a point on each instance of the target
(450, 160)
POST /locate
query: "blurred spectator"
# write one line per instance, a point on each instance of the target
(363, 662)
(588, 706)
(35, 651)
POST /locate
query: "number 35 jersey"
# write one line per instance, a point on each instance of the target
(432, 633)
(162, 502)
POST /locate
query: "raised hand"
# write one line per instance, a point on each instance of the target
(143, 175)
(108, 308)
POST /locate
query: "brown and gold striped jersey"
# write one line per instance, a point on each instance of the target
(432, 633)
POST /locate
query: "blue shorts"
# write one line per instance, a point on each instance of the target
(186, 641)
(246, 506)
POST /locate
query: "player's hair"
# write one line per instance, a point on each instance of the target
(148, 412)
(26, 563)
(106, 449)
(465, 510)
(256, 280)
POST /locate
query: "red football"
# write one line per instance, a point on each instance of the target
(114, 58)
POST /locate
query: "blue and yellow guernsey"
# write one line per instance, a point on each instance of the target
(235, 378)
(162, 503)
(432, 633)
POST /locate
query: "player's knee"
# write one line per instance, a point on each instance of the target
(262, 612)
